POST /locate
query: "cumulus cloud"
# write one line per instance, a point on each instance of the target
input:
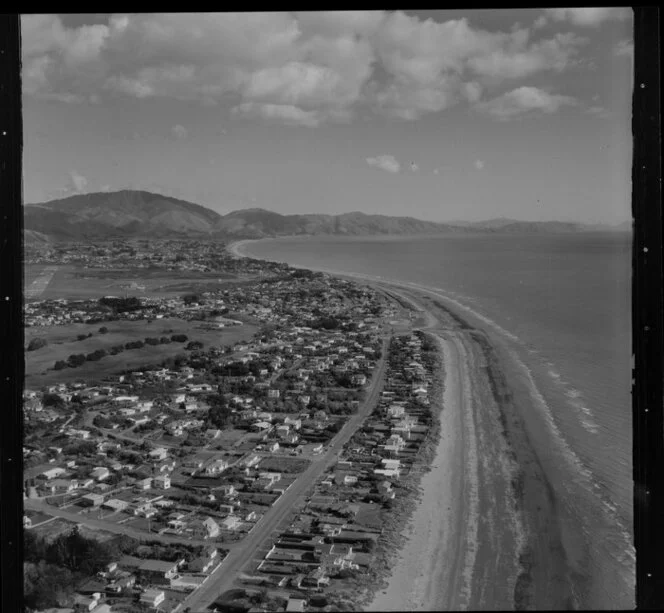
(105, 188)
(598, 111)
(436, 171)
(479, 164)
(285, 113)
(77, 182)
(624, 47)
(299, 68)
(180, 132)
(590, 16)
(387, 163)
(524, 100)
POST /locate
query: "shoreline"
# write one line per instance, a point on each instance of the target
(529, 550)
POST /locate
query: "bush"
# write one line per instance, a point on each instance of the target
(179, 338)
(75, 360)
(53, 400)
(192, 345)
(151, 340)
(103, 330)
(60, 364)
(134, 345)
(164, 340)
(37, 343)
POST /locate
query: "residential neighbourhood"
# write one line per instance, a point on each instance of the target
(194, 451)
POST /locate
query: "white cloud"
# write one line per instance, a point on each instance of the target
(77, 182)
(524, 100)
(105, 188)
(479, 164)
(590, 16)
(598, 111)
(436, 171)
(387, 163)
(180, 132)
(299, 68)
(624, 47)
(285, 113)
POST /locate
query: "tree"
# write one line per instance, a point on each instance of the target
(60, 364)
(53, 400)
(37, 343)
(179, 338)
(103, 330)
(76, 359)
(193, 345)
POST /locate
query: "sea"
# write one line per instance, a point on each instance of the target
(561, 304)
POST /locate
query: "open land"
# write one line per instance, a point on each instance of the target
(62, 342)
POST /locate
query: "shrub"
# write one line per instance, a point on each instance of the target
(103, 330)
(179, 338)
(60, 364)
(37, 343)
(151, 340)
(164, 340)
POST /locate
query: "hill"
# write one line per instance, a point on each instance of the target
(129, 213)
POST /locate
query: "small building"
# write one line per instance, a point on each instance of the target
(115, 505)
(296, 604)
(158, 571)
(100, 473)
(152, 597)
(91, 500)
(162, 482)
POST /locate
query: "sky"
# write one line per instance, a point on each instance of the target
(438, 115)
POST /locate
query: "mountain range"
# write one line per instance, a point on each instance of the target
(134, 214)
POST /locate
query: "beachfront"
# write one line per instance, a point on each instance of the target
(486, 533)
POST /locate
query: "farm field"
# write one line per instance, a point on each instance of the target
(79, 282)
(62, 342)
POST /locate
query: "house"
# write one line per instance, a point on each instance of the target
(212, 434)
(207, 528)
(115, 505)
(91, 500)
(215, 467)
(86, 603)
(159, 453)
(143, 484)
(231, 523)
(52, 473)
(273, 446)
(158, 571)
(296, 604)
(252, 460)
(162, 482)
(201, 564)
(295, 423)
(152, 597)
(100, 473)
(228, 490)
(273, 393)
(63, 486)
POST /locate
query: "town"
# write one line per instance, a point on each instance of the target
(235, 447)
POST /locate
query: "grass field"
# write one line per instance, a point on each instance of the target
(79, 282)
(62, 343)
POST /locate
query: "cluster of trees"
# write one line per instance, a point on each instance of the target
(121, 305)
(78, 359)
(82, 337)
(52, 569)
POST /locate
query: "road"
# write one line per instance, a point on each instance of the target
(224, 577)
(43, 507)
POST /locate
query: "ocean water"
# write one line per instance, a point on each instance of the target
(561, 305)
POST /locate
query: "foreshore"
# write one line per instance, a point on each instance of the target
(485, 533)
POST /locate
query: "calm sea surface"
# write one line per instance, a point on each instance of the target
(562, 302)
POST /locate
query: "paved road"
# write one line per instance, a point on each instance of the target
(223, 578)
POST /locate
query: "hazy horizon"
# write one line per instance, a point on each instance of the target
(438, 115)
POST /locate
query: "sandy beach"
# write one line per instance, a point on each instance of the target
(486, 533)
